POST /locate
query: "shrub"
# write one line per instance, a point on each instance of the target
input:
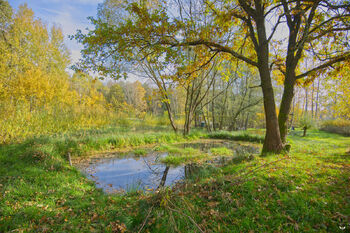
(306, 123)
(340, 126)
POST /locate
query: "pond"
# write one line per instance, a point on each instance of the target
(130, 172)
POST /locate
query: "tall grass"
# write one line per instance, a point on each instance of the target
(236, 136)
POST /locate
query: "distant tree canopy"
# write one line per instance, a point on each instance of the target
(162, 32)
(37, 95)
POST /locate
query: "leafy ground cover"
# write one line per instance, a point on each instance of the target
(304, 191)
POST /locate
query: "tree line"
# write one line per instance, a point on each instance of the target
(220, 65)
(186, 41)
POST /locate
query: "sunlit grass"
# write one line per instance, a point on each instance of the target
(221, 151)
(304, 191)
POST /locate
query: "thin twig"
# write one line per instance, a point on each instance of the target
(189, 217)
(144, 222)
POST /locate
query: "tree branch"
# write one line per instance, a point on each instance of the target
(337, 59)
(214, 47)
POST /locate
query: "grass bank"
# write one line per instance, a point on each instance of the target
(303, 192)
(41, 192)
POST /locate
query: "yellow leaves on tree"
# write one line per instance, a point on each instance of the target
(37, 95)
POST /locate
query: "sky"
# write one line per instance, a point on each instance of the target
(70, 15)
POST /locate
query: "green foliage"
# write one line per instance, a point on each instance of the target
(339, 126)
(308, 122)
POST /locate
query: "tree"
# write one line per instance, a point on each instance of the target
(235, 29)
(135, 96)
(338, 88)
(316, 28)
(115, 97)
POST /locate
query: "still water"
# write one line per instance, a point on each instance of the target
(148, 173)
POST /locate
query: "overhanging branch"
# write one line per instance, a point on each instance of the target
(340, 58)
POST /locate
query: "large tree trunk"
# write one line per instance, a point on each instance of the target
(272, 142)
(286, 104)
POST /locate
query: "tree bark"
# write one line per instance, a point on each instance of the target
(163, 180)
(317, 98)
(272, 142)
(212, 108)
(286, 103)
(223, 109)
(171, 119)
(312, 100)
(306, 101)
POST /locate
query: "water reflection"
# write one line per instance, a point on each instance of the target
(133, 173)
(147, 173)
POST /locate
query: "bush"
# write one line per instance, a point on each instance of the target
(339, 126)
(306, 123)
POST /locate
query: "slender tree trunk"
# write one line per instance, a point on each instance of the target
(293, 112)
(306, 101)
(304, 132)
(246, 122)
(312, 100)
(223, 110)
(213, 107)
(165, 174)
(171, 119)
(247, 117)
(187, 123)
(317, 98)
(206, 122)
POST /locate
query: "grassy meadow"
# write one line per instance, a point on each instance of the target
(220, 74)
(306, 190)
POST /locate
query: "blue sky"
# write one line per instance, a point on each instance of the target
(70, 15)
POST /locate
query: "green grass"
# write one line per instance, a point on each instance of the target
(177, 156)
(305, 191)
(41, 192)
(221, 151)
(236, 136)
(140, 152)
